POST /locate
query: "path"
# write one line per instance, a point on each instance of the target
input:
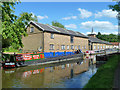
(117, 78)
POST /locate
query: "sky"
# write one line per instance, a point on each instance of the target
(76, 16)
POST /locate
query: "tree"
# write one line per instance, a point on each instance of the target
(57, 24)
(13, 27)
(109, 38)
(99, 35)
(115, 7)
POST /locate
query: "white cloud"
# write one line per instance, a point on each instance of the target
(68, 18)
(73, 26)
(39, 17)
(115, 32)
(102, 25)
(42, 17)
(106, 13)
(84, 13)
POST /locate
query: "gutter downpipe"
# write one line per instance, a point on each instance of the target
(43, 41)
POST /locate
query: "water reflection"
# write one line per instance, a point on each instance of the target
(64, 75)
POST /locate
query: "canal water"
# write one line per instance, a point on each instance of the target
(69, 74)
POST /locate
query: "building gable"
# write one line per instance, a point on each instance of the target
(35, 28)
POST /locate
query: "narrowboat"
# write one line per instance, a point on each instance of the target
(15, 60)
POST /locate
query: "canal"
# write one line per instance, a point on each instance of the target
(69, 74)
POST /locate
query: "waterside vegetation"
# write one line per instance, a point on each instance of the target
(105, 74)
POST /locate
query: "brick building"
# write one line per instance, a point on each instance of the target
(46, 38)
(97, 44)
(115, 44)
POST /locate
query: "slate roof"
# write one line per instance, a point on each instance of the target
(96, 40)
(49, 28)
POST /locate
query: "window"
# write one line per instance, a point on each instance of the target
(32, 29)
(63, 66)
(78, 46)
(94, 47)
(101, 47)
(67, 47)
(98, 46)
(51, 46)
(71, 39)
(85, 46)
(72, 47)
(75, 47)
(106, 46)
(63, 47)
(52, 36)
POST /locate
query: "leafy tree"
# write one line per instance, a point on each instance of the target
(13, 27)
(109, 38)
(99, 35)
(116, 7)
(57, 24)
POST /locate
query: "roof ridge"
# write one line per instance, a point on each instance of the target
(60, 28)
(46, 27)
(53, 28)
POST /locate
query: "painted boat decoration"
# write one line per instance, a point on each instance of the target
(29, 57)
(14, 60)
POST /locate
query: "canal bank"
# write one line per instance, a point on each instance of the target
(104, 77)
(116, 83)
(0, 79)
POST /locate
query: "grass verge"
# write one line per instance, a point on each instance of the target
(105, 74)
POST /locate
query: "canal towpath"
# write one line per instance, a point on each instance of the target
(117, 78)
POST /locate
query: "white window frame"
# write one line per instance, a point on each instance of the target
(67, 47)
(94, 47)
(85, 47)
(98, 47)
(76, 47)
(52, 36)
(52, 47)
(62, 47)
(72, 47)
(31, 29)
